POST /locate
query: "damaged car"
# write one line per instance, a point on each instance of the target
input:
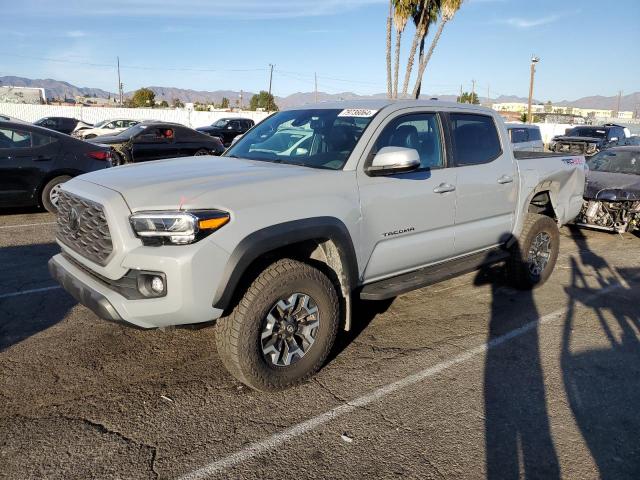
(153, 140)
(612, 191)
(588, 140)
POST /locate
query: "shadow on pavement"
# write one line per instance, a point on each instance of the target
(517, 434)
(24, 268)
(603, 384)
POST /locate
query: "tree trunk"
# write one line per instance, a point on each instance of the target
(412, 53)
(397, 64)
(389, 91)
(426, 59)
(420, 57)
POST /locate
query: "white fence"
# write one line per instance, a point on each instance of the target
(191, 118)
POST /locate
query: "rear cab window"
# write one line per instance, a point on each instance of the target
(475, 138)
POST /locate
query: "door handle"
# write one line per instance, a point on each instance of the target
(444, 188)
(505, 179)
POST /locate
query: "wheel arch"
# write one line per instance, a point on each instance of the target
(50, 176)
(324, 242)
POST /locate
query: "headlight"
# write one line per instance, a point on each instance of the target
(176, 228)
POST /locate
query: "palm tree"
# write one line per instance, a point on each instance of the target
(422, 10)
(448, 9)
(403, 9)
(389, 89)
(434, 12)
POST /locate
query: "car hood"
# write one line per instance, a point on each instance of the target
(207, 182)
(565, 138)
(612, 186)
(209, 129)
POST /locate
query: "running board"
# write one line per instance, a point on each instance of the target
(394, 286)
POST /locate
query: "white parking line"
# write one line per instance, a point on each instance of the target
(278, 439)
(26, 292)
(27, 225)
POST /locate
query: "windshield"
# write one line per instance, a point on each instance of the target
(132, 131)
(101, 124)
(320, 138)
(220, 123)
(616, 161)
(587, 132)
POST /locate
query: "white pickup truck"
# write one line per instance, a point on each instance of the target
(311, 207)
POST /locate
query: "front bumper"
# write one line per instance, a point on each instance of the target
(185, 304)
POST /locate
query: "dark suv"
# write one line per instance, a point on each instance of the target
(227, 128)
(589, 140)
(59, 124)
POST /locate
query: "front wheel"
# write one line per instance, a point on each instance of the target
(282, 329)
(51, 193)
(534, 255)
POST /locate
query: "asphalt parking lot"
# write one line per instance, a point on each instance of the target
(465, 379)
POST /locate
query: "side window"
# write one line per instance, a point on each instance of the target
(40, 140)
(518, 135)
(475, 138)
(49, 123)
(235, 125)
(14, 138)
(534, 134)
(418, 131)
(110, 125)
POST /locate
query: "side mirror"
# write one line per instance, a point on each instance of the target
(235, 139)
(391, 160)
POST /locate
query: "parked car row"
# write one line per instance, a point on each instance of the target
(35, 159)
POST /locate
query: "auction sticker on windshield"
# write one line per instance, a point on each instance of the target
(357, 112)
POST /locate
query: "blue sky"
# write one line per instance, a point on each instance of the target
(585, 49)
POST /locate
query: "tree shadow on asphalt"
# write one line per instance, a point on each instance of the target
(21, 316)
(603, 384)
(517, 434)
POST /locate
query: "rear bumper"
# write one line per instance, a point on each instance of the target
(82, 291)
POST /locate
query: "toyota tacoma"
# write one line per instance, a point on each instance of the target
(312, 208)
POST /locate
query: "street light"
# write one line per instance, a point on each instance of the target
(534, 60)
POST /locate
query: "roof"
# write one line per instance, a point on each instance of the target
(379, 104)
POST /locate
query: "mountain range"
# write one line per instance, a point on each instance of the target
(60, 89)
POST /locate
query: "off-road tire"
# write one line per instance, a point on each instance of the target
(518, 273)
(45, 195)
(238, 334)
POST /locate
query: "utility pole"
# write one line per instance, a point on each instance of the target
(270, 82)
(119, 82)
(534, 60)
(488, 97)
(473, 91)
(618, 104)
(315, 75)
(461, 94)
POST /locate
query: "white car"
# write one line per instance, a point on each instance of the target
(105, 127)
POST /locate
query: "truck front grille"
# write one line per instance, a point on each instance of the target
(578, 148)
(83, 227)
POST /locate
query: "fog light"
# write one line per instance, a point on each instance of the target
(157, 285)
(152, 284)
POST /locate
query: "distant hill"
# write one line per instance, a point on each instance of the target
(58, 89)
(55, 88)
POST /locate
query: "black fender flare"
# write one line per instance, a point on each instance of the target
(280, 235)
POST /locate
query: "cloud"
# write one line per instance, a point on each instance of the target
(75, 34)
(531, 22)
(239, 9)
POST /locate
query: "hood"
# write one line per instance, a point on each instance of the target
(564, 138)
(209, 129)
(206, 182)
(107, 140)
(612, 186)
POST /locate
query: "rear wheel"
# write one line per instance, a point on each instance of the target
(282, 329)
(534, 256)
(51, 193)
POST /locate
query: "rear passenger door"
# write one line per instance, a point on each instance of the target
(486, 192)
(22, 165)
(408, 218)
